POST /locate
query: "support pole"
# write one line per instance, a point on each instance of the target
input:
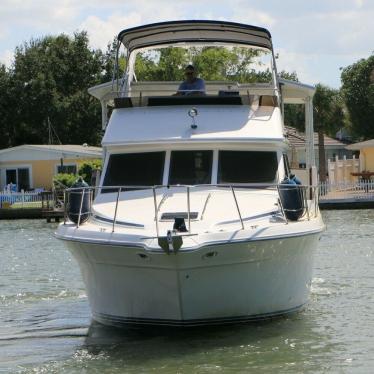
(104, 114)
(309, 133)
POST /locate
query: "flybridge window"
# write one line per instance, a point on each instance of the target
(212, 63)
(190, 167)
(247, 167)
(135, 169)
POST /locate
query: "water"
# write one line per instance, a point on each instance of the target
(45, 324)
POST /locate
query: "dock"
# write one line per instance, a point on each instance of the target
(48, 205)
(347, 195)
(52, 206)
(344, 204)
(19, 213)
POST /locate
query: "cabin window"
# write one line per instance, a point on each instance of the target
(135, 169)
(190, 167)
(247, 167)
(18, 179)
(67, 169)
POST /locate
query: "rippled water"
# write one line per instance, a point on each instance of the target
(45, 324)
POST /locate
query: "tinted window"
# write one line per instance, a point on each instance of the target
(247, 167)
(135, 169)
(190, 167)
(68, 169)
(23, 179)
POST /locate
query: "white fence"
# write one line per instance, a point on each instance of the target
(340, 171)
(20, 200)
(349, 190)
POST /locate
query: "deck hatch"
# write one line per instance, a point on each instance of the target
(170, 216)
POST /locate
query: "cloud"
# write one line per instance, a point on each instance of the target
(294, 62)
(306, 33)
(245, 13)
(43, 15)
(6, 57)
(101, 32)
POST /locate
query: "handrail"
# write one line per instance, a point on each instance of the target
(237, 207)
(80, 208)
(231, 187)
(188, 210)
(255, 186)
(281, 206)
(205, 205)
(161, 202)
(115, 210)
(306, 204)
(65, 208)
(156, 210)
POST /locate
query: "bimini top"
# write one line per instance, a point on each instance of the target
(174, 32)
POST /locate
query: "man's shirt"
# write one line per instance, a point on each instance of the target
(197, 85)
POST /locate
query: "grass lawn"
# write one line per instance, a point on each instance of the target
(24, 205)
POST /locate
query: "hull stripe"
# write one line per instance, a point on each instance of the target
(107, 319)
(204, 245)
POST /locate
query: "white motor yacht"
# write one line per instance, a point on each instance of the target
(197, 218)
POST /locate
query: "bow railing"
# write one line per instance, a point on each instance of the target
(295, 202)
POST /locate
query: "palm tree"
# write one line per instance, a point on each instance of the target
(328, 116)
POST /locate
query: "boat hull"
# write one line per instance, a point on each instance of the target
(214, 284)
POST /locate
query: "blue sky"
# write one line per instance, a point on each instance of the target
(314, 38)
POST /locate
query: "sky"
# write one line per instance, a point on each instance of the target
(314, 38)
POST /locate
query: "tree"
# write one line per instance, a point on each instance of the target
(64, 180)
(88, 168)
(294, 114)
(328, 116)
(50, 79)
(211, 63)
(215, 63)
(165, 64)
(8, 108)
(358, 92)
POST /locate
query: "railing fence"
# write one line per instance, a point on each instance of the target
(20, 200)
(347, 190)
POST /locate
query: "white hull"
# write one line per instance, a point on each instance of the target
(213, 284)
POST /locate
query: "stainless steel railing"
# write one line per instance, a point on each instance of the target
(309, 206)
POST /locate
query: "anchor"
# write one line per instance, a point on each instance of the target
(170, 242)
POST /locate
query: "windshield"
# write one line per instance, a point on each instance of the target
(190, 167)
(212, 63)
(247, 167)
(135, 169)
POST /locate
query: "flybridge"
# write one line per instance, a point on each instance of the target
(249, 80)
(254, 86)
(173, 32)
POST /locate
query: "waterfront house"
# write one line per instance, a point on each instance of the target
(32, 167)
(351, 181)
(366, 150)
(333, 148)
